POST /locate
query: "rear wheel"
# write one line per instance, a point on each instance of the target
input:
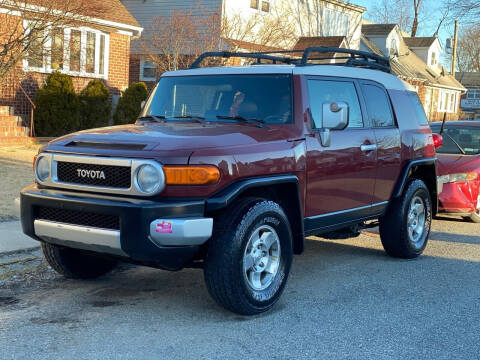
(405, 228)
(76, 264)
(249, 256)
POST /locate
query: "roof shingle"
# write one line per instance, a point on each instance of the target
(468, 78)
(378, 29)
(110, 10)
(419, 41)
(409, 66)
(330, 41)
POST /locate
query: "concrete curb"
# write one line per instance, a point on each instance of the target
(21, 251)
(13, 240)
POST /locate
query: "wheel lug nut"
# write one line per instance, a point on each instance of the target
(261, 264)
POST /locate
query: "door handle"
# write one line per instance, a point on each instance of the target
(370, 147)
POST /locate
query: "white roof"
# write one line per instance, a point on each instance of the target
(388, 80)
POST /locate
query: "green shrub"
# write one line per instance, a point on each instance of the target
(129, 105)
(57, 107)
(95, 107)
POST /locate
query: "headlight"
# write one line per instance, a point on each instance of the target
(148, 178)
(462, 177)
(43, 168)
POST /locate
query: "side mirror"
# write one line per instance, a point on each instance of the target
(335, 115)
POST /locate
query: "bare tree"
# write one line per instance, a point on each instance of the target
(313, 18)
(416, 9)
(393, 12)
(173, 41)
(467, 10)
(468, 51)
(26, 26)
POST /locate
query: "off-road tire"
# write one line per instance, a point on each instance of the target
(76, 264)
(394, 225)
(224, 268)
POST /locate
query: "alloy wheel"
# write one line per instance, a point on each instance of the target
(416, 221)
(261, 259)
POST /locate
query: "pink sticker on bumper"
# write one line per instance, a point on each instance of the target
(164, 227)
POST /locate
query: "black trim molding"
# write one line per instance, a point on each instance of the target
(340, 219)
(224, 197)
(398, 190)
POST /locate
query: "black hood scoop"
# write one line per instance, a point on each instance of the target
(106, 145)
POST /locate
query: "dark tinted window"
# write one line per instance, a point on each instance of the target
(419, 110)
(467, 137)
(378, 106)
(334, 91)
(266, 97)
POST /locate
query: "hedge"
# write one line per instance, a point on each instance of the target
(95, 106)
(129, 105)
(57, 107)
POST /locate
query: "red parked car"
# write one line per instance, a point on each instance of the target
(459, 168)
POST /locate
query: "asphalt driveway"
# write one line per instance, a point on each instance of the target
(345, 300)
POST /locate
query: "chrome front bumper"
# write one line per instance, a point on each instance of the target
(163, 232)
(80, 237)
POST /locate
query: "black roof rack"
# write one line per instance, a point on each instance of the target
(354, 58)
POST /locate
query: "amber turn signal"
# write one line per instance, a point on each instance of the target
(472, 176)
(34, 161)
(191, 175)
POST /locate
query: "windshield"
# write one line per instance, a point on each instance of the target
(467, 137)
(222, 98)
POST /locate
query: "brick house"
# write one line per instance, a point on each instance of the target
(102, 52)
(470, 102)
(415, 60)
(312, 18)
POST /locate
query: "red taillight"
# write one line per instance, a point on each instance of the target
(437, 140)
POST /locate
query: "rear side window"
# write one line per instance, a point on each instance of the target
(417, 106)
(467, 138)
(378, 106)
(323, 91)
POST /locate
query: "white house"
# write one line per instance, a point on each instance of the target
(311, 18)
(415, 60)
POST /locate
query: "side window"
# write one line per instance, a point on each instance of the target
(418, 107)
(448, 146)
(322, 91)
(378, 106)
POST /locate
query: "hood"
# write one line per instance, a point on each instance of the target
(165, 139)
(454, 164)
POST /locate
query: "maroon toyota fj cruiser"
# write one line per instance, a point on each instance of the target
(229, 168)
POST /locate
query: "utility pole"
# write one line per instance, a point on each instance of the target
(454, 52)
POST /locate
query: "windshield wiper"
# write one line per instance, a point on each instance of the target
(159, 118)
(198, 119)
(457, 144)
(254, 121)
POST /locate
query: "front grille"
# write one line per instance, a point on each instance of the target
(112, 176)
(75, 217)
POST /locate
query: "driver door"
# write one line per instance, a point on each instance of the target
(340, 176)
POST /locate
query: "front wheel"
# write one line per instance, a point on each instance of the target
(249, 257)
(76, 264)
(405, 228)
